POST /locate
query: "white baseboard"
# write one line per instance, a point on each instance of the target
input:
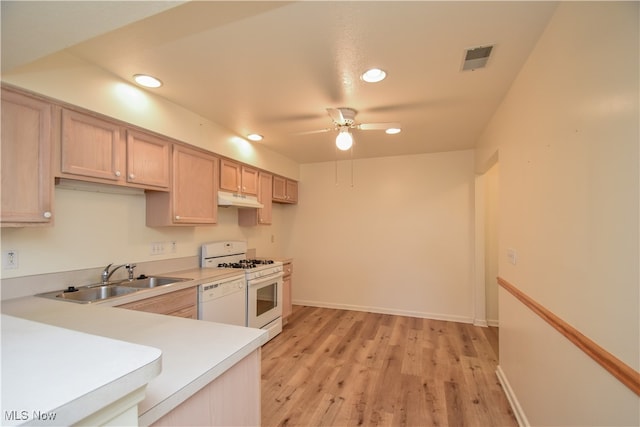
(493, 322)
(481, 323)
(511, 397)
(381, 310)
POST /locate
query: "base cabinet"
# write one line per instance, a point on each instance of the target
(232, 399)
(287, 306)
(122, 412)
(181, 303)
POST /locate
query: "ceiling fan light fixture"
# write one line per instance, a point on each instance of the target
(373, 75)
(254, 137)
(393, 131)
(344, 140)
(147, 80)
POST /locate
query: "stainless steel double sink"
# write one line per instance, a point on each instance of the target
(101, 292)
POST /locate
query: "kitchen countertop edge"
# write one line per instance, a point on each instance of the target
(71, 313)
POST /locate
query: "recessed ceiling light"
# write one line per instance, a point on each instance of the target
(147, 81)
(254, 137)
(373, 75)
(393, 131)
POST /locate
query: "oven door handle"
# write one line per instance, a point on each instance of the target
(260, 281)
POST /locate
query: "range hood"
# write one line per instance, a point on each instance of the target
(239, 200)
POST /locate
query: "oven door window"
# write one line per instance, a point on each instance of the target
(266, 299)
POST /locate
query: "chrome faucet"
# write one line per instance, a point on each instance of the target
(130, 268)
(106, 274)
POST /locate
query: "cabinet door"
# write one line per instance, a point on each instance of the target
(249, 181)
(287, 306)
(147, 160)
(265, 195)
(91, 147)
(285, 190)
(230, 176)
(279, 188)
(292, 191)
(195, 185)
(27, 182)
(252, 217)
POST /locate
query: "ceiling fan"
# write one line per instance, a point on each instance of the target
(344, 120)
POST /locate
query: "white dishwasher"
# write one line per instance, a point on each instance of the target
(224, 301)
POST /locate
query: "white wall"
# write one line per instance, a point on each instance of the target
(567, 135)
(398, 241)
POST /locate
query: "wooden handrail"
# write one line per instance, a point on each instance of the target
(623, 372)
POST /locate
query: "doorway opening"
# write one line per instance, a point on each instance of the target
(486, 246)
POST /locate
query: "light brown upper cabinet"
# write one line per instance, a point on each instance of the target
(285, 190)
(99, 150)
(27, 181)
(147, 160)
(238, 178)
(250, 217)
(194, 190)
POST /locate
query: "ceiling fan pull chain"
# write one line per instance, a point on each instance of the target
(336, 168)
(352, 166)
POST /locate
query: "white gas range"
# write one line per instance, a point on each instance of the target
(263, 277)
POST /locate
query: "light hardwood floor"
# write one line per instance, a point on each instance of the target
(347, 368)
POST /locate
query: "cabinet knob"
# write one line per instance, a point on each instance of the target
(177, 217)
(47, 214)
(132, 176)
(118, 173)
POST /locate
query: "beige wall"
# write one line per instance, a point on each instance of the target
(568, 141)
(67, 78)
(399, 241)
(93, 229)
(491, 236)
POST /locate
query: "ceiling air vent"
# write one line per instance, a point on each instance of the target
(476, 57)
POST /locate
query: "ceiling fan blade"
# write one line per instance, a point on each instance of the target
(378, 126)
(336, 115)
(310, 132)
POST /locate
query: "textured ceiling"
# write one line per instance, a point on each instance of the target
(274, 67)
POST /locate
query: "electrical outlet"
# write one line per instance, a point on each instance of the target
(174, 246)
(157, 248)
(10, 259)
(512, 256)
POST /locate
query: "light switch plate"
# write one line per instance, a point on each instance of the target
(512, 256)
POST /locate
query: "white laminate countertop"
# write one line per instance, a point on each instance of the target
(52, 375)
(194, 352)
